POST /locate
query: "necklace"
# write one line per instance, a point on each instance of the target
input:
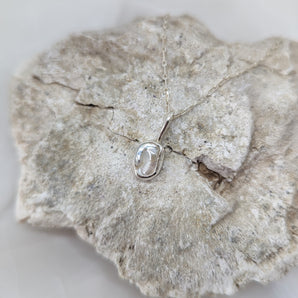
(149, 157)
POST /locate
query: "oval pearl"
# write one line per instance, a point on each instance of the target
(148, 160)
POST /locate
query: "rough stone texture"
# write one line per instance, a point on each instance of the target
(223, 210)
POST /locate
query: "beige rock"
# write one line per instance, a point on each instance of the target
(223, 210)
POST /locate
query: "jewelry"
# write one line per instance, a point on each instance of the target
(149, 157)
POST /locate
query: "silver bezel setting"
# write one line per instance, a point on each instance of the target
(159, 161)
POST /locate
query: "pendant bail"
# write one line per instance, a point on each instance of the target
(165, 128)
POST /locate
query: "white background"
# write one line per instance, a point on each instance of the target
(35, 263)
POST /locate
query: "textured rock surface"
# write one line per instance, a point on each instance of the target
(223, 210)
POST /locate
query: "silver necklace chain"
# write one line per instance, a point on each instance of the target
(203, 97)
(149, 157)
(164, 63)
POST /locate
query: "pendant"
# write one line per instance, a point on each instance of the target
(148, 160)
(149, 157)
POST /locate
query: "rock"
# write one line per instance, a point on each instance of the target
(223, 210)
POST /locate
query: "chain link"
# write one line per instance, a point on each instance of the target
(166, 92)
(212, 90)
(205, 97)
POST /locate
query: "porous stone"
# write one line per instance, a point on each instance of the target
(223, 210)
